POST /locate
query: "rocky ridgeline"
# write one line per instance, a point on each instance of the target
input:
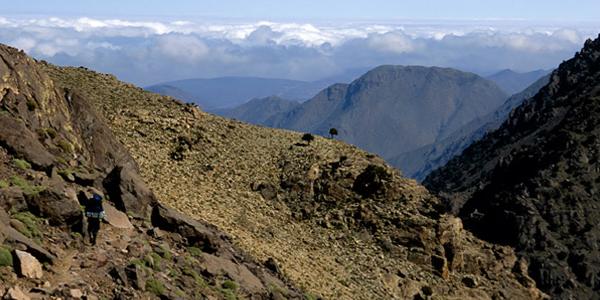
(533, 183)
(53, 149)
(335, 220)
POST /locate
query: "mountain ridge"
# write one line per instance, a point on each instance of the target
(535, 177)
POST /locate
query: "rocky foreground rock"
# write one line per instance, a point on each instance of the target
(533, 183)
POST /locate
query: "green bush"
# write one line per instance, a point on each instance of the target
(165, 252)
(31, 223)
(188, 271)
(27, 188)
(229, 289)
(4, 184)
(308, 296)
(6, 259)
(228, 294)
(195, 251)
(230, 285)
(66, 146)
(307, 137)
(155, 287)
(21, 164)
(153, 260)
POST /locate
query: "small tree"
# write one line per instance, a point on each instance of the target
(333, 132)
(307, 137)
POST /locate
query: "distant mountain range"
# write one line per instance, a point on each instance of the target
(513, 82)
(227, 92)
(416, 117)
(258, 110)
(389, 110)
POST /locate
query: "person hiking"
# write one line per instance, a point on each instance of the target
(94, 213)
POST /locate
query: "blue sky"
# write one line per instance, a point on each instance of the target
(558, 10)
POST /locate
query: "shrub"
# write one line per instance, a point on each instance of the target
(307, 137)
(155, 287)
(4, 184)
(228, 294)
(195, 251)
(153, 260)
(333, 132)
(165, 252)
(66, 146)
(21, 164)
(27, 188)
(308, 296)
(188, 271)
(371, 180)
(6, 259)
(31, 223)
(230, 284)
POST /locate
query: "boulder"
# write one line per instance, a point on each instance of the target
(237, 272)
(136, 276)
(13, 235)
(76, 293)
(28, 266)
(15, 293)
(23, 143)
(4, 217)
(128, 191)
(12, 198)
(54, 204)
(202, 235)
(116, 218)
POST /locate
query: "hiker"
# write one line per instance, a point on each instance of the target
(94, 213)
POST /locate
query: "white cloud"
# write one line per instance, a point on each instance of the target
(182, 47)
(24, 43)
(150, 51)
(395, 42)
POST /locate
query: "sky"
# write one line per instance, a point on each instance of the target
(147, 42)
(579, 10)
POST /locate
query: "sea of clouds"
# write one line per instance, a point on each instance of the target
(147, 52)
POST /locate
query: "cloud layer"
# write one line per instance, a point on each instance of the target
(146, 52)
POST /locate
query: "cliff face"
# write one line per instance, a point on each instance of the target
(532, 183)
(54, 149)
(335, 220)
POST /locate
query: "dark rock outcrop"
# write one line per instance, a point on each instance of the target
(533, 183)
(128, 191)
(19, 140)
(53, 204)
(201, 235)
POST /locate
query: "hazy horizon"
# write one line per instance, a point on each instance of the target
(152, 42)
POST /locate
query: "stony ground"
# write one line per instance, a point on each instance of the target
(297, 204)
(54, 150)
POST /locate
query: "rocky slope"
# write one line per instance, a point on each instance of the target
(420, 162)
(533, 183)
(335, 220)
(54, 148)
